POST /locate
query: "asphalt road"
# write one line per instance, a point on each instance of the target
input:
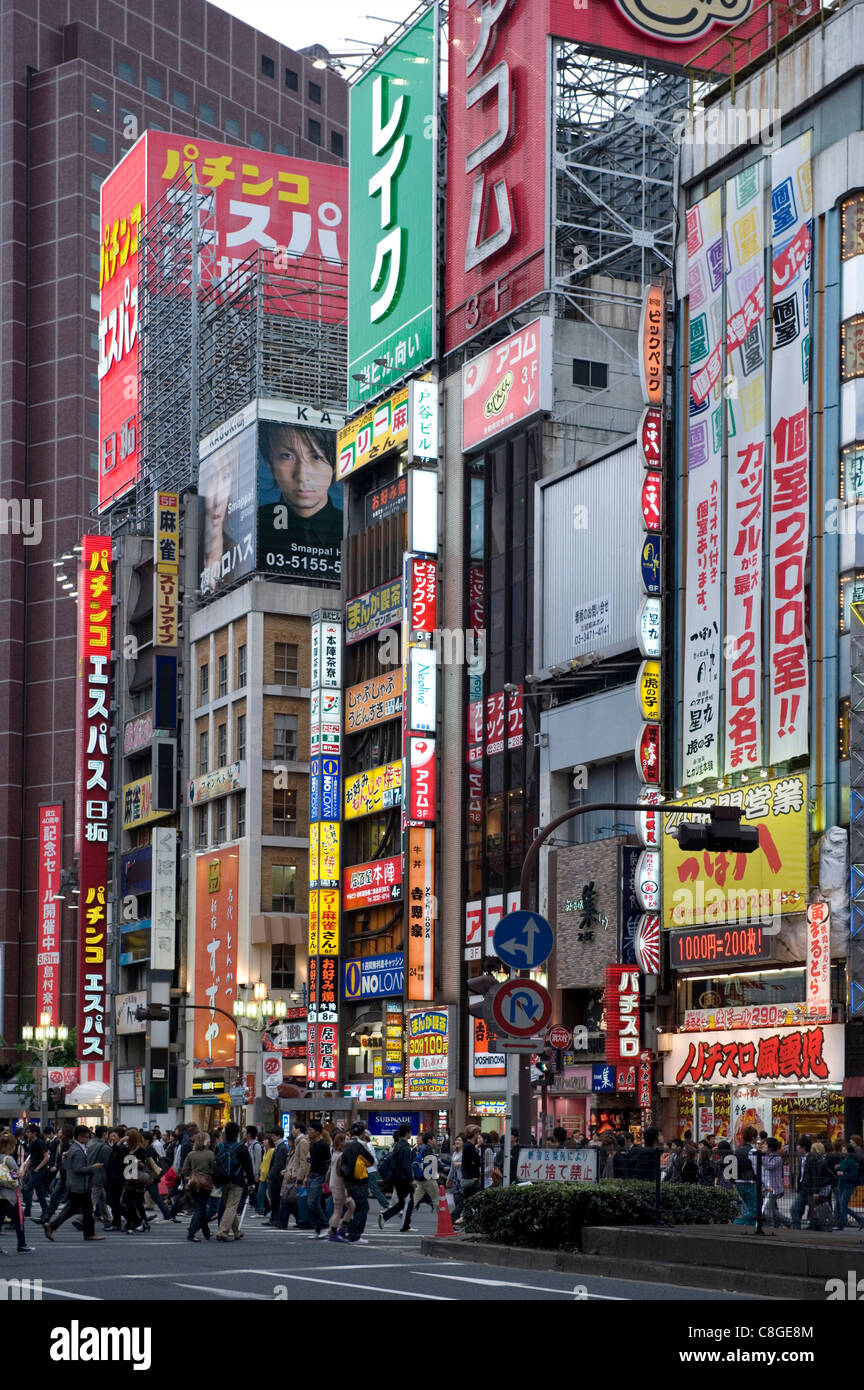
(268, 1265)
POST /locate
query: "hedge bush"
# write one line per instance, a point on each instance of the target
(550, 1216)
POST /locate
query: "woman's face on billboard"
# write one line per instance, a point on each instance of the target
(302, 470)
(219, 494)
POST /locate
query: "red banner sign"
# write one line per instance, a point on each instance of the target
(421, 767)
(50, 922)
(367, 885)
(497, 164)
(651, 438)
(92, 791)
(515, 718)
(423, 592)
(495, 722)
(648, 754)
(507, 385)
(646, 1081)
(216, 918)
(623, 1032)
(652, 501)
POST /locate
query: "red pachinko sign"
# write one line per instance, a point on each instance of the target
(92, 790)
(497, 163)
(793, 1055)
(295, 211)
(623, 1033)
(423, 588)
(48, 950)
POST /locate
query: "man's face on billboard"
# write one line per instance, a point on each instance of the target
(301, 469)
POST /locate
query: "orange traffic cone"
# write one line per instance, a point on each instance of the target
(445, 1221)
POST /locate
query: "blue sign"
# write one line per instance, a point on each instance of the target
(523, 940)
(286, 1124)
(393, 1068)
(325, 789)
(374, 977)
(650, 559)
(385, 1121)
(602, 1077)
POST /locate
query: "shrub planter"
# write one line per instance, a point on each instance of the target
(551, 1216)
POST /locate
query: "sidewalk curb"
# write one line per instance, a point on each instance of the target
(738, 1281)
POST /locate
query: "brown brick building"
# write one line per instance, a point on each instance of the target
(79, 81)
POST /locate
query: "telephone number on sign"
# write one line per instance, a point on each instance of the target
(312, 564)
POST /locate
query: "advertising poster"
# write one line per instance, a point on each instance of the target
(745, 476)
(421, 921)
(373, 701)
(771, 880)
(428, 1033)
(48, 950)
(791, 212)
(507, 385)
(92, 792)
(702, 622)
(369, 885)
(216, 906)
(299, 503)
(226, 504)
(378, 789)
(392, 253)
(786, 1056)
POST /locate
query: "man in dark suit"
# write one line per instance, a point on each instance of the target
(79, 1176)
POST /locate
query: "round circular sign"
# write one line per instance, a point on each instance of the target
(522, 1008)
(558, 1036)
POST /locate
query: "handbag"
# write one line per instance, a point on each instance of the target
(201, 1184)
(8, 1179)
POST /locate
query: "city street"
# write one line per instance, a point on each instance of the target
(275, 1265)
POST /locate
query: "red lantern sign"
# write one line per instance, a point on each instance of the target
(652, 501)
(648, 754)
(650, 438)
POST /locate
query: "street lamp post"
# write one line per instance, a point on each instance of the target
(253, 1013)
(50, 1037)
(723, 831)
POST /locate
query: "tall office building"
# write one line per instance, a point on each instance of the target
(80, 81)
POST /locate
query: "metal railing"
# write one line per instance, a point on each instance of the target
(767, 29)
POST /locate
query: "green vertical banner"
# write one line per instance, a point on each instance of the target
(392, 235)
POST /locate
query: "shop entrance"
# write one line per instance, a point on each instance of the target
(812, 1122)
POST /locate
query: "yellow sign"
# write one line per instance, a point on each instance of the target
(379, 789)
(324, 854)
(138, 803)
(709, 887)
(373, 434)
(166, 530)
(324, 913)
(649, 691)
(313, 922)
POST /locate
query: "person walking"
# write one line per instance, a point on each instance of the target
(37, 1179)
(427, 1174)
(810, 1177)
(266, 1159)
(275, 1174)
(374, 1175)
(343, 1205)
(847, 1181)
(256, 1154)
(319, 1167)
(746, 1180)
(79, 1177)
(198, 1175)
(232, 1172)
(472, 1171)
(295, 1176)
(57, 1168)
(773, 1183)
(137, 1176)
(454, 1177)
(99, 1151)
(354, 1167)
(401, 1172)
(675, 1162)
(10, 1192)
(151, 1160)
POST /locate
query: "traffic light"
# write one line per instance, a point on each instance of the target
(155, 1013)
(486, 986)
(545, 1065)
(724, 832)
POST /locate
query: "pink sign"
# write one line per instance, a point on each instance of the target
(48, 956)
(507, 385)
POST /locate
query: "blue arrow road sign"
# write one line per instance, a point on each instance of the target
(523, 940)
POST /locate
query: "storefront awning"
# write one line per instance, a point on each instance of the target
(89, 1093)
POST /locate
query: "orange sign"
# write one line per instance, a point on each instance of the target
(421, 922)
(651, 361)
(373, 701)
(216, 899)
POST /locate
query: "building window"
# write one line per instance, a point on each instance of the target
(223, 676)
(232, 127)
(94, 462)
(221, 820)
(285, 738)
(314, 132)
(240, 753)
(153, 86)
(207, 114)
(283, 887)
(96, 182)
(201, 814)
(279, 148)
(222, 745)
(284, 812)
(203, 752)
(94, 341)
(337, 143)
(181, 100)
(98, 143)
(590, 374)
(256, 140)
(291, 81)
(315, 92)
(241, 667)
(98, 103)
(94, 421)
(268, 67)
(239, 815)
(204, 684)
(126, 73)
(285, 668)
(282, 967)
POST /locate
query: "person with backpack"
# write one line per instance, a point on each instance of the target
(354, 1167)
(398, 1167)
(232, 1173)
